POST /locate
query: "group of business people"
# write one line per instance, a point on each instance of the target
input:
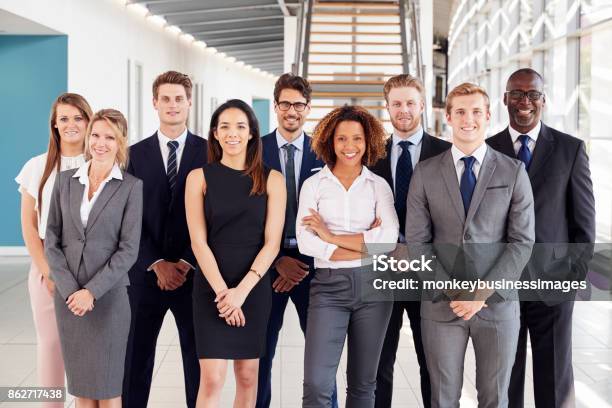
(224, 232)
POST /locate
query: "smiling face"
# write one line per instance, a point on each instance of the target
(103, 144)
(405, 106)
(469, 118)
(349, 143)
(524, 113)
(71, 124)
(291, 120)
(233, 132)
(172, 104)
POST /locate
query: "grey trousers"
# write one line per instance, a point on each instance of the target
(336, 310)
(445, 344)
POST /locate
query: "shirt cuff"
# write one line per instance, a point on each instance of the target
(150, 268)
(184, 261)
(329, 251)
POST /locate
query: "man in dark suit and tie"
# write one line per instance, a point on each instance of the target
(161, 279)
(287, 150)
(558, 169)
(409, 144)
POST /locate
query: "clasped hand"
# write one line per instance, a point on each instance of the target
(229, 303)
(291, 272)
(170, 275)
(80, 302)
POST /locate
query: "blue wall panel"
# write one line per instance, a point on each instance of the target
(33, 71)
(262, 111)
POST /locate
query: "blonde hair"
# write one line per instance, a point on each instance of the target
(117, 122)
(465, 89)
(403, 81)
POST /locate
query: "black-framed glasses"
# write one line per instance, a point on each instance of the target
(518, 95)
(285, 106)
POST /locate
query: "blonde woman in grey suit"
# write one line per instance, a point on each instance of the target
(93, 236)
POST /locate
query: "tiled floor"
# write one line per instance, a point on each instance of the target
(592, 356)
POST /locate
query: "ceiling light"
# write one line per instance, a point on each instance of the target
(174, 29)
(138, 8)
(157, 20)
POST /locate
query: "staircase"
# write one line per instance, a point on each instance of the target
(347, 50)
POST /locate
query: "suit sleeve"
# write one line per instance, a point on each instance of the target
(127, 249)
(148, 252)
(581, 201)
(64, 280)
(418, 225)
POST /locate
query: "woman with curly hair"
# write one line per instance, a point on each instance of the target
(342, 209)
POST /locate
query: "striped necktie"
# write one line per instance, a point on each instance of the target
(171, 172)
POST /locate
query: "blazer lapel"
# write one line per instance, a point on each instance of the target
(505, 144)
(308, 161)
(385, 165)
(105, 195)
(76, 198)
(543, 148)
(425, 147)
(190, 152)
(449, 174)
(484, 178)
(156, 158)
(270, 152)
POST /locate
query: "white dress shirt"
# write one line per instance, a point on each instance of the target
(346, 212)
(297, 156)
(163, 145)
(478, 154)
(414, 149)
(29, 179)
(83, 175)
(533, 137)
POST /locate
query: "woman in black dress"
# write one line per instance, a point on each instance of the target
(235, 213)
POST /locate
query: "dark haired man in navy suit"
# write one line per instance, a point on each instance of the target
(287, 150)
(162, 277)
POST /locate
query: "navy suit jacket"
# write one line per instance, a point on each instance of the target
(164, 224)
(310, 164)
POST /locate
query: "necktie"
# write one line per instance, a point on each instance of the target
(468, 182)
(291, 210)
(524, 154)
(403, 173)
(171, 172)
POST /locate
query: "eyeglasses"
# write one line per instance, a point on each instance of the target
(285, 106)
(519, 95)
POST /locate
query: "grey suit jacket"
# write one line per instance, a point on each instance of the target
(496, 235)
(99, 256)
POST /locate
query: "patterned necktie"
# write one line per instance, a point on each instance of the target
(524, 154)
(291, 210)
(403, 173)
(468, 182)
(171, 172)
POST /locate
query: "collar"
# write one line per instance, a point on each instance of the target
(415, 139)
(478, 154)
(365, 173)
(83, 172)
(163, 139)
(281, 141)
(533, 133)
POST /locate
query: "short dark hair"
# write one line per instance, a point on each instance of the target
(290, 81)
(524, 71)
(172, 77)
(322, 142)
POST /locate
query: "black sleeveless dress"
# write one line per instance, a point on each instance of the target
(235, 222)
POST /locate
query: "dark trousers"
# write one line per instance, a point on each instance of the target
(384, 378)
(299, 296)
(149, 306)
(550, 333)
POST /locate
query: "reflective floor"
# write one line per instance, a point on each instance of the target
(592, 336)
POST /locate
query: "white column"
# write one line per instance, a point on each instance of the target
(290, 39)
(426, 28)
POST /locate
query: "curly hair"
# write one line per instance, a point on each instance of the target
(375, 134)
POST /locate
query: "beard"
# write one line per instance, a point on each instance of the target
(408, 126)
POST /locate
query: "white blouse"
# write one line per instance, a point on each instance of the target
(346, 212)
(83, 175)
(29, 181)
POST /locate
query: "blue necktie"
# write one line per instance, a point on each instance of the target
(291, 209)
(524, 154)
(403, 173)
(171, 172)
(468, 182)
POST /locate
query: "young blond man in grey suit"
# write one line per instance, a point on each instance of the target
(469, 195)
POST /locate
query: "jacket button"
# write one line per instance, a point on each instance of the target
(467, 237)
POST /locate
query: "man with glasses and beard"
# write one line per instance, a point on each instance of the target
(558, 168)
(287, 149)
